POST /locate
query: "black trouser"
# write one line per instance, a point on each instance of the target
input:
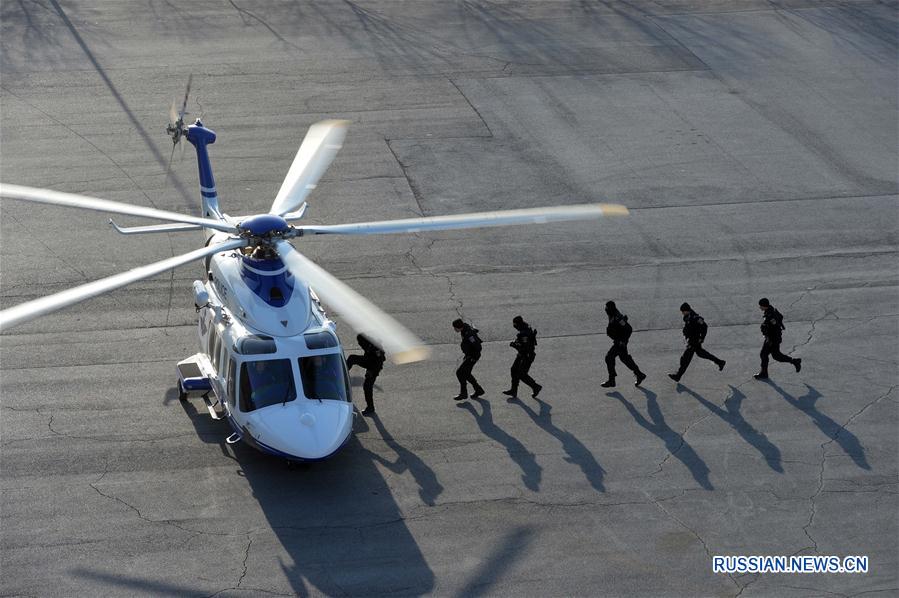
(687, 357)
(772, 348)
(520, 368)
(371, 374)
(464, 375)
(619, 350)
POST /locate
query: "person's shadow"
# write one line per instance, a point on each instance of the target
(531, 472)
(847, 440)
(732, 416)
(429, 488)
(676, 444)
(578, 454)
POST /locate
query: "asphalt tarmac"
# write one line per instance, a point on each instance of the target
(755, 143)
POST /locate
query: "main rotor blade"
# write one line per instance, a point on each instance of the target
(359, 312)
(104, 205)
(34, 309)
(477, 220)
(316, 153)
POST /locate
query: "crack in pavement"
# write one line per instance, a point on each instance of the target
(449, 281)
(802, 295)
(246, 557)
(813, 507)
(701, 541)
(683, 440)
(109, 438)
(811, 331)
(476, 111)
(193, 533)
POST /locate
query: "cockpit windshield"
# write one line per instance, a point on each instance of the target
(266, 382)
(324, 377)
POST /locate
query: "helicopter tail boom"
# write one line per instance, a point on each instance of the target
(199, 136)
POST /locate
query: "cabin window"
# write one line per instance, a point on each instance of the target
(210, 341)
(255, 345)
(216, 347)
(325, 377)
(320, 340)
(266, 382)
(232, 371)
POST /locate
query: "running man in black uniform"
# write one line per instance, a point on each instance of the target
(695, 330)
(620, 332)
(772, 328)
(471, 349)
(526, 345)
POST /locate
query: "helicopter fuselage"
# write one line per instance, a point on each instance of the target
(272, 358)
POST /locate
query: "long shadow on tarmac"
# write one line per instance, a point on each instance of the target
(578, 454)
(189, 199)
(732, 416)
(340, 528)
(806, 403)
(531, 472)
(494, 567)
(429, 488)
(675, 443)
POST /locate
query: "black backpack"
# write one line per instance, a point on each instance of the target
(626, 329)
(475, 340)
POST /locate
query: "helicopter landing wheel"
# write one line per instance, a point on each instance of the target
(182, 395)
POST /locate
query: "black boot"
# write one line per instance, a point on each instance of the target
(762, 375)
(675, 377)
(797, 363)
(478, 392)
(640, 378)
(610, 383)
(721, 363)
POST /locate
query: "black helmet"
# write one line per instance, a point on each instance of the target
(458, 323)
(685, 306)
(763, 302)
(517, 321)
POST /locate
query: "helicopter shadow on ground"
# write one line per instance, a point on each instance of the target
(531, 472)
(848, 441)
(577, 453)
(676, 444)
(732, 416)
(340, 530)
(339, 524)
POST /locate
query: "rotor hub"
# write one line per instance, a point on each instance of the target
(264, 226)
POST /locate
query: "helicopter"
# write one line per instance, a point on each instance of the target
(269, 354)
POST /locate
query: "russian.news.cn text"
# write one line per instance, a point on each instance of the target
(789, 564)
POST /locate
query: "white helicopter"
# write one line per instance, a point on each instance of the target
(268, 351)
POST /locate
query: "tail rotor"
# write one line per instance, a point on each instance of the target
(176, 129)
